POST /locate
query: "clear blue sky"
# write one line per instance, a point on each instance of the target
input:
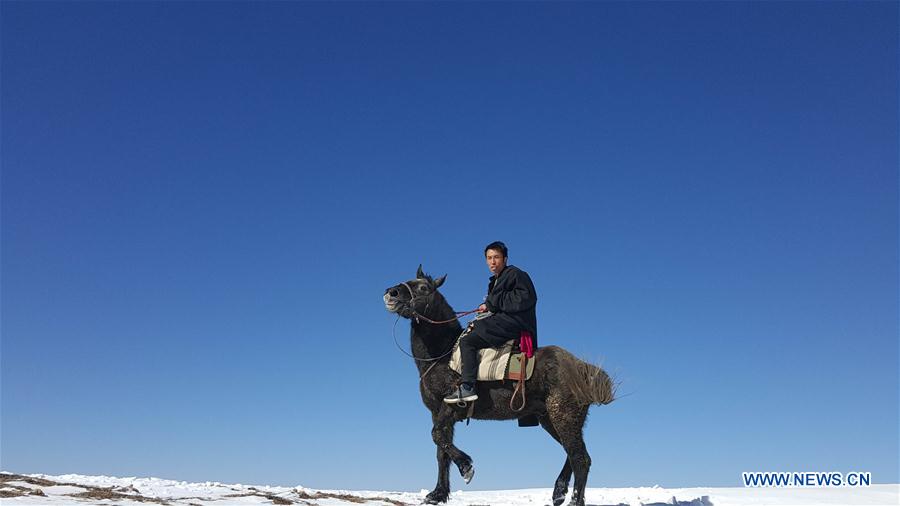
(202, 204)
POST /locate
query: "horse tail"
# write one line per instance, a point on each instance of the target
(588, 383)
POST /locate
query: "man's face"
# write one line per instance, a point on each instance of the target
(496, 262)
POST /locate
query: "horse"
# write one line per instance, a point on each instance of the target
(559, 393)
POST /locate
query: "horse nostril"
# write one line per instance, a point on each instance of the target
(394, 292)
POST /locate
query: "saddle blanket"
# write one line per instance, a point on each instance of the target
(495, 364)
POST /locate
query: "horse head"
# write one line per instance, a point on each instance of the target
(414, 296)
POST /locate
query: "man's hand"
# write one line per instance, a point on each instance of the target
(482, 308)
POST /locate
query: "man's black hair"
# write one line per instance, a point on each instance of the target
(499, 246)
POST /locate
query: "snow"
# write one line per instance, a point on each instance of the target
(149, 491)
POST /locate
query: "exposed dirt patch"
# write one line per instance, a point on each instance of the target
(12, 490)
(325, 495)
(11, 493)
(127, 490)
(117, 493)
(305, 498)
(6, 477)
(89, 493)
(19, 491)
(348, 498)
(274, 498)
(109, 493)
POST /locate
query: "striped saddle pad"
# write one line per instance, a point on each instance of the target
(495, 364)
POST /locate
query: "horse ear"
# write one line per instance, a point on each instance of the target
(440, 281)
(419, 273)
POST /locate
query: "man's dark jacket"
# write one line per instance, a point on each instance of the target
(511, 296)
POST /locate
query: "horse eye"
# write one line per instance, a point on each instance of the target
(423, 288)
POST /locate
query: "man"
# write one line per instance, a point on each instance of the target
(508, 309)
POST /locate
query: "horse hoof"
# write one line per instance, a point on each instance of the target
(559, 493)
(436, 497)
(467, 472)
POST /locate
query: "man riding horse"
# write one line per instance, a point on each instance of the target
(559, 394)
(508, 309)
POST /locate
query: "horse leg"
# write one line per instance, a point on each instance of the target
(441, 491)
(568, 420)
(561, 487)
(442, 435)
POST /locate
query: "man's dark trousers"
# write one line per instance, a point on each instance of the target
(491, 332)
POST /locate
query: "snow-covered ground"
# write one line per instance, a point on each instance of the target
(74, 489)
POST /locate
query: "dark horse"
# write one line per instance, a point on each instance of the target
(559, 393)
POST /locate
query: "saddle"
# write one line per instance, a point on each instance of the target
(503, 363)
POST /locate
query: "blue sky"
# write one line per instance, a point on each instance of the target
(202, 204)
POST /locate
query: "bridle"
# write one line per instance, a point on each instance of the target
(418, 317)
(412, 300)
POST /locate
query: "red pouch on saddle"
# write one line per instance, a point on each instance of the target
(525, 344)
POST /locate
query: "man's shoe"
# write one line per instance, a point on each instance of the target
(464, 393)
